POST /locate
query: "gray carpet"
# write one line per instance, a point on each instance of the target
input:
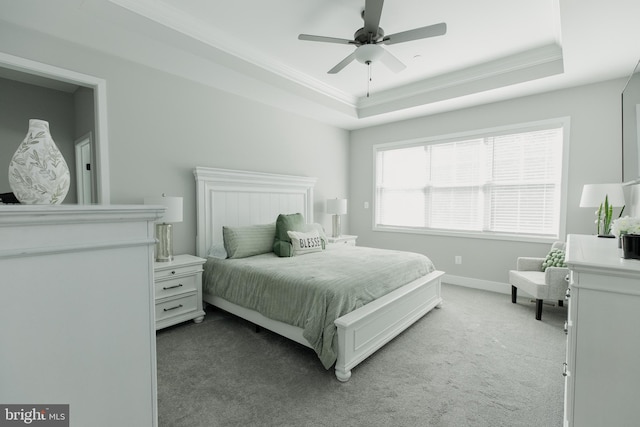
(478, 361)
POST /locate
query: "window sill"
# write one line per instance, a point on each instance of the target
(468, 234)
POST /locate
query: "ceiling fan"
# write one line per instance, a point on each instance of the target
(368, 39)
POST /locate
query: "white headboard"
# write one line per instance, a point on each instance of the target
(236, 198)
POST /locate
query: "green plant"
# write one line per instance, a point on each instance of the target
(605, 216)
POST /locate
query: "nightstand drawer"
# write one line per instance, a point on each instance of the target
(345, 239)
(176, 306)
(176, 271)
(178, 285)
(178, 290)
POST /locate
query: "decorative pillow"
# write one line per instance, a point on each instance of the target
(217, 250)
(304, 243)
(317, 227)
(555, 258)
(286, 222)
(242, 242)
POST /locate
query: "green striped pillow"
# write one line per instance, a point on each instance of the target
(250, 240)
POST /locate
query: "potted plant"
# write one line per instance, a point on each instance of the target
(627, 229)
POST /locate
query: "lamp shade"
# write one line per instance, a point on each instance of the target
(173, 213)
(337, 206)
(593, 195)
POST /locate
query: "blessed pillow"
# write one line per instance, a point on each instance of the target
(282, 242)
(250, 240)
(555, 258)
(304, 243)
(317, 227)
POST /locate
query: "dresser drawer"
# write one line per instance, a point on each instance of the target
(175, 286)
(177, 271)
(176, 306)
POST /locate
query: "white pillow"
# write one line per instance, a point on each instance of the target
(304, 243)
(217, 250)
(319, 229)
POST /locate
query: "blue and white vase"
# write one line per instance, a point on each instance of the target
(38, 174)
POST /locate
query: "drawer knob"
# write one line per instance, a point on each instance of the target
(173, 272)
(173, 308)
(172, 287)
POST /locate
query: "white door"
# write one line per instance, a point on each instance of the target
(84, 170)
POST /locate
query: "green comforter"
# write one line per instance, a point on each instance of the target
(311, 291)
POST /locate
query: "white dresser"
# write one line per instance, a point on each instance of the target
(77, 311)
(179, 290)
(602, 371)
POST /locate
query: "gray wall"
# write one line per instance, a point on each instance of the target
(162, 126)
(20, 102)
(595, 156)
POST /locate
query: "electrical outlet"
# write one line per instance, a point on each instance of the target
(458, 259)
(366, 205)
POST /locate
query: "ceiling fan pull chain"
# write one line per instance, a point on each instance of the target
(369, 76)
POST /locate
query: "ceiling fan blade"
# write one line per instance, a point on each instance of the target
(417, 33)
(393, 63)
(346, 61)
(372, 13)
(312, 38)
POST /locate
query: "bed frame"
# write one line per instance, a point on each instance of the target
(236, 198)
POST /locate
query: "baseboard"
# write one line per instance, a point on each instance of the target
(470, 282)
(488, 285)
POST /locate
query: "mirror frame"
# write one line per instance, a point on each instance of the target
(99, 87)
(630, 109)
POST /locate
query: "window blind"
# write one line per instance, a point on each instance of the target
(501, 183)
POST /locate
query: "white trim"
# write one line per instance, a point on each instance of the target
(84, 247)
(529, 61)
(200, 30)
(99, 87)
(470, 282)
(466, 234)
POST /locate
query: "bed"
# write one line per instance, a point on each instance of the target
(239, 198)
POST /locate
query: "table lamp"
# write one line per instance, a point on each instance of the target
(164, 229)
(336, 207)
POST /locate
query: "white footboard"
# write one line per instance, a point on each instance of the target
(362, 332)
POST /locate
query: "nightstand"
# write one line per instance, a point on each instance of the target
(178, 290)
(343, 240)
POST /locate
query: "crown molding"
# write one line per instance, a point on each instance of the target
(521, 67)
(197, 29)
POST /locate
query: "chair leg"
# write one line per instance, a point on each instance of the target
(560, 303)
(514, 294)
(538, 309)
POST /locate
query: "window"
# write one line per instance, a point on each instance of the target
(499, 182)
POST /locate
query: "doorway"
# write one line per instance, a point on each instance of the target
(99, 139)
(84, 169)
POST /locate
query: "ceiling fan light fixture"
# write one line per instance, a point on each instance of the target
(367, 38)
(368, 53)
